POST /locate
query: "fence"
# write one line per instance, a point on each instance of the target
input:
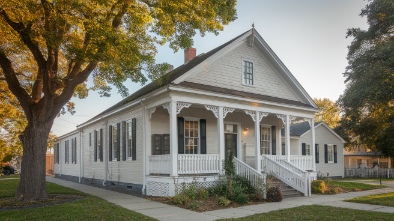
(370, 172)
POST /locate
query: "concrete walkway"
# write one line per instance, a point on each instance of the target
(162, 211)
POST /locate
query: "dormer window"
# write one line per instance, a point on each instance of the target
(248, 73)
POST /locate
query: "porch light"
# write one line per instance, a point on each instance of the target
(246, 129)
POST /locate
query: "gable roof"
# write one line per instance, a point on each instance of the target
(300, 129)
(181, 72)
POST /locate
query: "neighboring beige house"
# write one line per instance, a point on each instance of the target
(329, 147)
(180, 128)
(362, 157)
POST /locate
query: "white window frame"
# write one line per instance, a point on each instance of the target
(198, 137)
(129, 139)
(114, 142)
(330, 146)
(269, 141)
(243, 73)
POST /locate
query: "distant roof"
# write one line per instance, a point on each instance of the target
(297, 130)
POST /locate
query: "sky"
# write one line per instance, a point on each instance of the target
(309, 36)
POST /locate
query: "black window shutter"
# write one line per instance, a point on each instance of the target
(203, 136)
(134, 139)
(123, 140)
(317, 153)
(335, 154)
(118, 141)
(181, 135)
(325, 153)
(273, 141)
(101, 145)
(95, 146)
(110, 143)
(303, 149)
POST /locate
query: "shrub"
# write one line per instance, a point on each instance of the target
(241, 199)
(318, 186)
(223, 201)
(274, 194)
(335, 190)
(202, 194)
(193, 205)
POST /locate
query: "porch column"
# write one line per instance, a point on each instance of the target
(173, 139)
(221, 138)
(280, 142)
(287, 137)
(312, 124)
(258, 144)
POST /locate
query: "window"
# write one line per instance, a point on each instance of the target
(248, 73)
(66, 151)
(283, 149)
(90, 139)
(307, 150)
(265, 140)
(98, 145)
(56, 149)
(74, 150)
(114, 142)
(330, 153)
(129, 131)
(191, 137)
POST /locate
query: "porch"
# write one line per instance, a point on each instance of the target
(205, 164)
(192, 140)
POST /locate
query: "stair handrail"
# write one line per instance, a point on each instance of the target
(242, 169)
(286, 175)
(292, 167)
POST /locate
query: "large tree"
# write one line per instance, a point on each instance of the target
(368, 101)
(54, 45)
(329, 112)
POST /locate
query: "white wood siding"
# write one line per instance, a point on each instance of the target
(69, 168)
(324, 136)
(227, 72)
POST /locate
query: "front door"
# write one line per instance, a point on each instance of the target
(230, 143)
(230, 139)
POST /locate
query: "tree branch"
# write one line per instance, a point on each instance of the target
(24, 34)
(14, 84)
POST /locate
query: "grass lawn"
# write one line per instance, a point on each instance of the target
(89, 208)
(320, 213)
(384, 199)
(352, 186)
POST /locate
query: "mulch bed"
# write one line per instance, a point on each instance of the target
(211, 203)
(10, 203)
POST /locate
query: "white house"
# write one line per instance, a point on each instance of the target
(179, 129)
(329, 148)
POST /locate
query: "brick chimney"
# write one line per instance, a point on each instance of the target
(190, 53)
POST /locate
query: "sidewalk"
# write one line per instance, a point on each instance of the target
(165, 212)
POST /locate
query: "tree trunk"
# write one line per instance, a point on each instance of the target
(32, 184)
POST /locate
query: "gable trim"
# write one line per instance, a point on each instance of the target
(326, 126)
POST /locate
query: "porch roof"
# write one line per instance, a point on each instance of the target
(241, 94)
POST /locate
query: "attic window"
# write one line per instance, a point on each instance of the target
(248, 73)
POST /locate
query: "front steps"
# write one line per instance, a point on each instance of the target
(286, 190)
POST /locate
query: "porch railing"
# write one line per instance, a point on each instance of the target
(244, 170)
(187, 164)
(198, 163)
(160, 164)
(302, 162)
(286, 174)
